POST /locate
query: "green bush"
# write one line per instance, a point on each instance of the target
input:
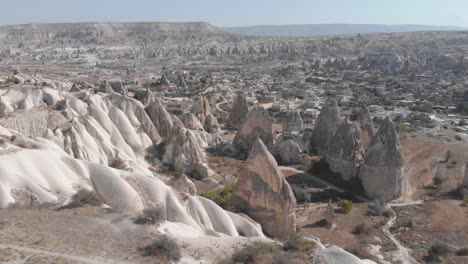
(296, 242)
(223, 197)
(437, 251)
(165, 248)
(346, 206)
(177, 174)
(362, 229)
(465, 201)
(139, 95)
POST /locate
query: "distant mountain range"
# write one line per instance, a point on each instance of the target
(308, 30)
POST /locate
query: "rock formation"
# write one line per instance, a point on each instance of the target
(163, 80)
(346, 152)
(191, 121)
(263, 193)
(182, 150)
(238, 111)
(327, 124)
(330, 216)
(161, 118)
(382, 174)
(366, 124)
(293, 122)
(211, 123)
(201, 108)
(257, 123)
(288, 151)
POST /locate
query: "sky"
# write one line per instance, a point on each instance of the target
(239, 12)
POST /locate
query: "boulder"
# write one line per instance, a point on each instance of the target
(288, 152)
(293, 122)
(257, 123)
(238, 111)
(382, 174)
(366, 125)
(327, 124)
(330, 216)
(346, 153)
(161, 118)
(263, 193)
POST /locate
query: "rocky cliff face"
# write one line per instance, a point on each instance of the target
(257, 123)
(238, 111)
(366, 125)
(346, 151)
(327, 124)
(382, 174)
(161, 118)
(264, 194)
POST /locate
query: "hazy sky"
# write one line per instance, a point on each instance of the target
(239, 12)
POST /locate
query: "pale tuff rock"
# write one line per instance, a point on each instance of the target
(366, 124)
(161, 118)
(34, 122)
(201, 108)
(211, 123)
(191, 121)
(263, 193)
(184, 184)
(327, 124)
(182, 150)
(336, 255)
(346, 152)
(257, 123)
(148, 97)
(238, 111)
(57, 177)
(382, 174)
(293, 122)
(289, 152)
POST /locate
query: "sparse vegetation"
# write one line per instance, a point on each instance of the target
(177, 174)
(297, 242)
(151, 215)
(346, 206)
(379, 207)
(223, 197)
(362, 229)
(254, 253)
(83, 197)
(117, 164)
(165, 248)
(465, 201)
(437, 251)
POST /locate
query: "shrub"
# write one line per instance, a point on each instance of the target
(251, 253)
(462, 251)
(165, 248)
(362, 229)
(437, 251)
(223, 197)
(139, 95)
(151, 215)
(117, 164)
(296, 241)
(465, 201)
(346, 206)
(83, 197)
(2, 110)
(177, 174)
